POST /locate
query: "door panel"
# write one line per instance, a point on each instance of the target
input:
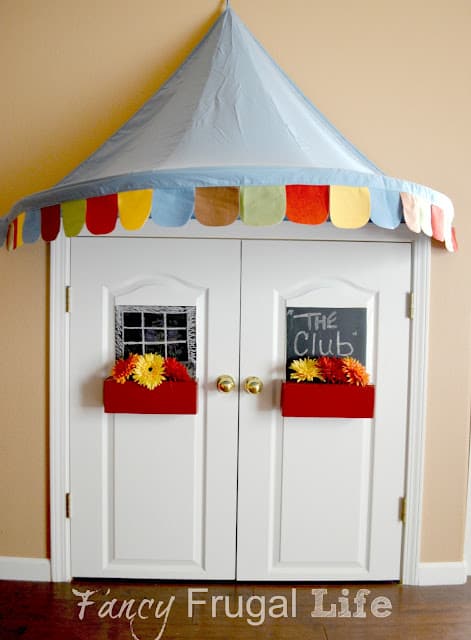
(154, 496)
(314, 533)
(318, 498)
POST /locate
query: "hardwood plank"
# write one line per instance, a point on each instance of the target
(46, 610)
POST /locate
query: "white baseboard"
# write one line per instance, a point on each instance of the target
(39, 570)
(29, 569)
(438, 573)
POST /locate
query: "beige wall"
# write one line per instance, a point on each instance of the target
(23, 403)
(392, 76)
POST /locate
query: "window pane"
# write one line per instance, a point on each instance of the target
(129, 349)
(154, 335)
(155, 348)
(176, 334)
(132, 319)
(153, 320)
(178, 350)
(176, 319)
(132, 335)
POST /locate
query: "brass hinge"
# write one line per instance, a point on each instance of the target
(402, 509)
(67, 505)
(411, 305)
(67, 299)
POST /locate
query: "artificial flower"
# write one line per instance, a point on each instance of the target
(149, 370)
(332, 369)
(355, 372)
(305, 370)
(124, 368)
(176, 371)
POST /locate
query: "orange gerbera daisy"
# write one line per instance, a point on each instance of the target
(124, 368)
(355, 372)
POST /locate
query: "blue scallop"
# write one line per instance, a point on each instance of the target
(172, 207)
(3, 231)
(32, 226)
(386, 208)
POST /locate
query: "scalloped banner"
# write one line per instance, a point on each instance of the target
(346, 207)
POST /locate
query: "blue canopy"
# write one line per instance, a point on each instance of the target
(227, 136)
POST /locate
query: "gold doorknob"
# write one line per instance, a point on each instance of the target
(225, 383)
(253, 385)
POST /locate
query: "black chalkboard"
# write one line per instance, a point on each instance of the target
(319, 331)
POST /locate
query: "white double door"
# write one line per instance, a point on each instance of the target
(237, 491)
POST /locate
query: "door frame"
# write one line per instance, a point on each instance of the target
(59, 426)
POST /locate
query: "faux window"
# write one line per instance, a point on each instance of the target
(168, 331)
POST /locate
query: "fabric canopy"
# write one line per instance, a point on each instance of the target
(227, 137)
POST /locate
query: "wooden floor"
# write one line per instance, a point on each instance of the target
(119, 610)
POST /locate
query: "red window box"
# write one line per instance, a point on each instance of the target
(305, 400)
(169, 397)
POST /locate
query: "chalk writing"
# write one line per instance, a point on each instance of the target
(316, 331)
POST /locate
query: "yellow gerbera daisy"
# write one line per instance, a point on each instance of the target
(149, 370)
(305, 370)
